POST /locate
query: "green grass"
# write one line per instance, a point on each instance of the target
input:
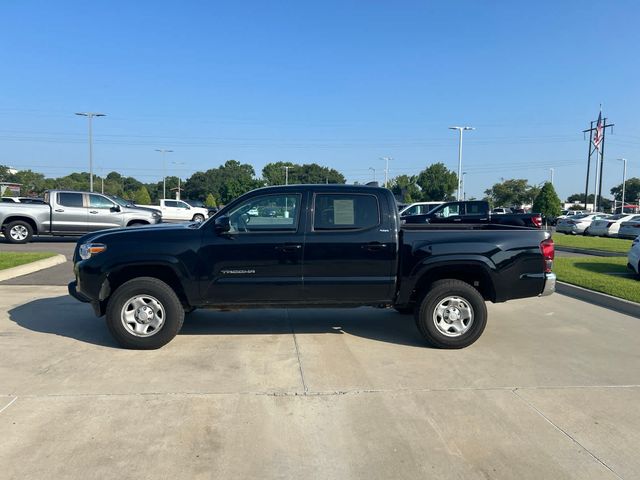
(619, 245)
(13, 259)
(599, 274)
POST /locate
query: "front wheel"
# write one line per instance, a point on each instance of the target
(452, 314)
(144, 314)
(198, 218)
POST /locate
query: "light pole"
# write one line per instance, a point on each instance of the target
(624, 179)
(551, 170)
(460, 130)
(286, 174)
(374, 173)
(464, 195)
(386, 170)
(164, 171)
(90, 116)
(179, 189)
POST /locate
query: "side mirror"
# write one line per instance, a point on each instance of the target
(222, 224)
(115, 208)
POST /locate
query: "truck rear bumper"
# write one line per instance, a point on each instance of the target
(549, 284)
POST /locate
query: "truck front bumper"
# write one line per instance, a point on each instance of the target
(549, 284)
(73, 291)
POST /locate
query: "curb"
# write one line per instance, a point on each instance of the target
(599, 299)
(597, 253)
(32, 267)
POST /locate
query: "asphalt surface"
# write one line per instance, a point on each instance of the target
(549, 391)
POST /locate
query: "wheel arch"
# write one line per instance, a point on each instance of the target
(14, 218)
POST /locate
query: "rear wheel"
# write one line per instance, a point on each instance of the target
(144, 313)
(198, 218)
(452, 314)
(18, 231)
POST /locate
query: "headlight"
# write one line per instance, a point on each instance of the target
(87, 250)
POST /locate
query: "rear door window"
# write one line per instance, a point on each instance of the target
(69, 199)
(345, 212)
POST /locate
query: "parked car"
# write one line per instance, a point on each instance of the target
(474, 211)
(564, 214)
(630, 228)
(337, 246)
(501, 211)
(608, 227)
(577, 224)
(68, 213)
(419, 208)
(200, 204)
(22, 200)
(181, 211)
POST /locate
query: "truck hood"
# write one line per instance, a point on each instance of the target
(153, 231)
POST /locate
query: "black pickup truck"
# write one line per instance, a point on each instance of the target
(309, 246)
(474, 211)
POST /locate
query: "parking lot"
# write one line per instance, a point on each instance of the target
(550, 391)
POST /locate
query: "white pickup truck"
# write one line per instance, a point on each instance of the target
(179, 211)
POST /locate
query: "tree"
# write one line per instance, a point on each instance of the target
(631, 190)
(512, 192)
(4, 173)
(547, 202)
(437, 182)
(33, 183)
(142, 197)
(275, 173)
(225, 182)
(210, 201)
(405, 188)
(7, 192)
(605, 203)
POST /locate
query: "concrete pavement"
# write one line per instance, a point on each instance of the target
(549, 391)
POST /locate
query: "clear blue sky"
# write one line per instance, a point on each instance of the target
(340, 83)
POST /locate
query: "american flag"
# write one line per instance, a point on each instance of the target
(597, 138)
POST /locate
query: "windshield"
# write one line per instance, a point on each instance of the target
(121, 201)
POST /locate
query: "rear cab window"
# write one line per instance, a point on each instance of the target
(70, 199)
(345, 211)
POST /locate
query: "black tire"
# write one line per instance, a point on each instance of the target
(173, 314)
(438, 292)
(137, 224)
(18, 231)
(198, 217)
(405, 310)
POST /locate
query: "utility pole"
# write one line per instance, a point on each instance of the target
(90, 116)
(460, 130)
(551, 170)
(179, 194)
(386, 170)
(624, 179)
(164, 171)
(374, 173)
(599, 162)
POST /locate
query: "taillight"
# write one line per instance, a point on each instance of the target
(537, 221)
(548, 253)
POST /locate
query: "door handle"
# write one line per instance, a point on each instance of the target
(374, 246)
(93, 211)
(289, 248)
(457, 219)
(59, 210)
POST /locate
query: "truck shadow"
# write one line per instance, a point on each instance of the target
(65, 317)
